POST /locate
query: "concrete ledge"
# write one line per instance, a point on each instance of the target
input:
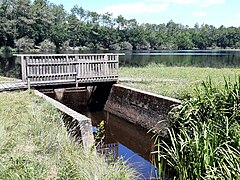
(140, 107)
(84, 122)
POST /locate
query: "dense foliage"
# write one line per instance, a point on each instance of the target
(205, 134)
(40, 20)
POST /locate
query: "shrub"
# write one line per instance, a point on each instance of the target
(115, 47)
(47, 45)
(121, 46)
(6, 49)
(65, 46)
(126, 46)
(24, 44)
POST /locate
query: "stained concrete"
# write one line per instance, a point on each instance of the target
(140, 107)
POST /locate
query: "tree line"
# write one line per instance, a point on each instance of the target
(40, 24)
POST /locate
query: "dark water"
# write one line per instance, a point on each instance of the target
(10, 66)
(125, 140)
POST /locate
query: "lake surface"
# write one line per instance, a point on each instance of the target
(10, 65)
(186, 58)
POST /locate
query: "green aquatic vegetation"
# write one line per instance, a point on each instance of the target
(205, 133)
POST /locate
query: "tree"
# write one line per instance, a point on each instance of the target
(184, 40)
(22, 18)
(58, 30)
(24, 44)
(43, 19)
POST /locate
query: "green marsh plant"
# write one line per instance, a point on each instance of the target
(205, 134)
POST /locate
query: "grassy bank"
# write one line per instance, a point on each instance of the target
(34, 144)
(5, 79)
(176, 82)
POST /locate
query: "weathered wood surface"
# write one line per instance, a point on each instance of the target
(41, 69)
(84, 122)
(10, 86)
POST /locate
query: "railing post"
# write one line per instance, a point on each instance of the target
(117, 64)
(23, 67)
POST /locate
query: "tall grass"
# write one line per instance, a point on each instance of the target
(34, 144)
(205, 134)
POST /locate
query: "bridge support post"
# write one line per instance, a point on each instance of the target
(99, 96)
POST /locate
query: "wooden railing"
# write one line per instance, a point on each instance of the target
(44, 69)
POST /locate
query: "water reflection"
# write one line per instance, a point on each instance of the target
(10, 66)
(193, 58)
(124, 139)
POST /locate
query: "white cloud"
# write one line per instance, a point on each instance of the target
(134, 8)
(207, 3)
(198, 13)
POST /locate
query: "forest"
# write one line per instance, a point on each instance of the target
(27, 25)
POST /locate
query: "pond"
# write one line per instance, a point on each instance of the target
(10, 66)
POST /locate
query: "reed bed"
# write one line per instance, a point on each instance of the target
(204, 135)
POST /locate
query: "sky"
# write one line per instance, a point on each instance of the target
(186, 12)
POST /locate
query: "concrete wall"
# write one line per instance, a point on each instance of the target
(75, 98)
(140, 107)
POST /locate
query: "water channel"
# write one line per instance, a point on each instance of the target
(115, 137)
(125, 139)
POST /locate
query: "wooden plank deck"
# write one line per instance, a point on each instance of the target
(11, 86)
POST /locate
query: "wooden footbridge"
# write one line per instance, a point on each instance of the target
(58, 69)
(39, 70)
